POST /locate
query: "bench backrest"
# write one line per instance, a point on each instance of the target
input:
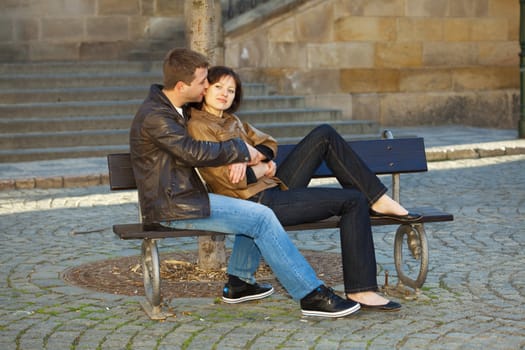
(385, 156)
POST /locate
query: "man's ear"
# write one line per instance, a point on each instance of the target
(180, 86)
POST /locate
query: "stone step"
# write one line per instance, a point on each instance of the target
(111, 136)
(42, 125)
(289, 115)
(98, 93)
(69, 109)
(292, 132)
(35, 154)
(114, 122)
(129, 107)
(108, 93)
(44, 122)
(98, 143)
(261, 103)
(64, 139)
(67, 80)
(75, 67)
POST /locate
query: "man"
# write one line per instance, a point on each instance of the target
(164, 158)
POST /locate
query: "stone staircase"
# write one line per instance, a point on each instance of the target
(84, 109)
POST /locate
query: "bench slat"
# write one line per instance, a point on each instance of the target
(141, 231)
(429, 215)
(385, 156)
(121, 175)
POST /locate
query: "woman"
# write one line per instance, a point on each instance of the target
(284, 189)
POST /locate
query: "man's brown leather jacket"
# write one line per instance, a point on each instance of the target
(163, 157)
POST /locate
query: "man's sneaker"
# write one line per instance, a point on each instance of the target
(325, 303)
(238, 294)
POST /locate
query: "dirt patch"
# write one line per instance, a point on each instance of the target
(181, 277)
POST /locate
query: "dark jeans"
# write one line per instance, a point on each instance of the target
(360, 188)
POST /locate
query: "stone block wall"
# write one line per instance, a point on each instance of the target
(42, 30)
(400, 62)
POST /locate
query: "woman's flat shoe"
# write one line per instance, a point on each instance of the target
(390, 306)
(410, 217)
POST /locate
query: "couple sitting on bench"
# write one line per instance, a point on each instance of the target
(235, 159)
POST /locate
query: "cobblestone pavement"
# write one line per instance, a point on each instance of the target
(474, 295)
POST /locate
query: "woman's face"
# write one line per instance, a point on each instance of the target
(219, 95)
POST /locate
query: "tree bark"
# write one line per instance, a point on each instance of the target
(204, 27)
(203, 30)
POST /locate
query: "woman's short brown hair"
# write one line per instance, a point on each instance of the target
(180, 65)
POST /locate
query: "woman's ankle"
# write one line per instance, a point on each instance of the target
(367, 298)
(386, 205)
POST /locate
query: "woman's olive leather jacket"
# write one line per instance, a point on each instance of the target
(163, 157)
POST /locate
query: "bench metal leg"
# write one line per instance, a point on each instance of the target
(151, 271)
(409, 251)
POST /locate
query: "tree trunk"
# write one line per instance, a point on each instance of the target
(203, 29)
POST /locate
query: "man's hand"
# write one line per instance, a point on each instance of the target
(237, 172)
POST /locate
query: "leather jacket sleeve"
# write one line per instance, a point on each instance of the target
(167, 134)
(258, 137)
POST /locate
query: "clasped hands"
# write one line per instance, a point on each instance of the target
(260, 168)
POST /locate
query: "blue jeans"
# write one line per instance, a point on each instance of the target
(302, 204)
(257, 225)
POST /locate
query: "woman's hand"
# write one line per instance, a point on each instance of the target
(237, 172)
(264, 169)
(272, 169)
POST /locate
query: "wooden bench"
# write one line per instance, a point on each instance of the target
(383, 156)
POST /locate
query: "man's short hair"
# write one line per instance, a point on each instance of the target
(180, 65)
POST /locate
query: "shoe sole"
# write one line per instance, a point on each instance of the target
(248, 297)
(378, 309)
(398, 219)
(341, 313)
